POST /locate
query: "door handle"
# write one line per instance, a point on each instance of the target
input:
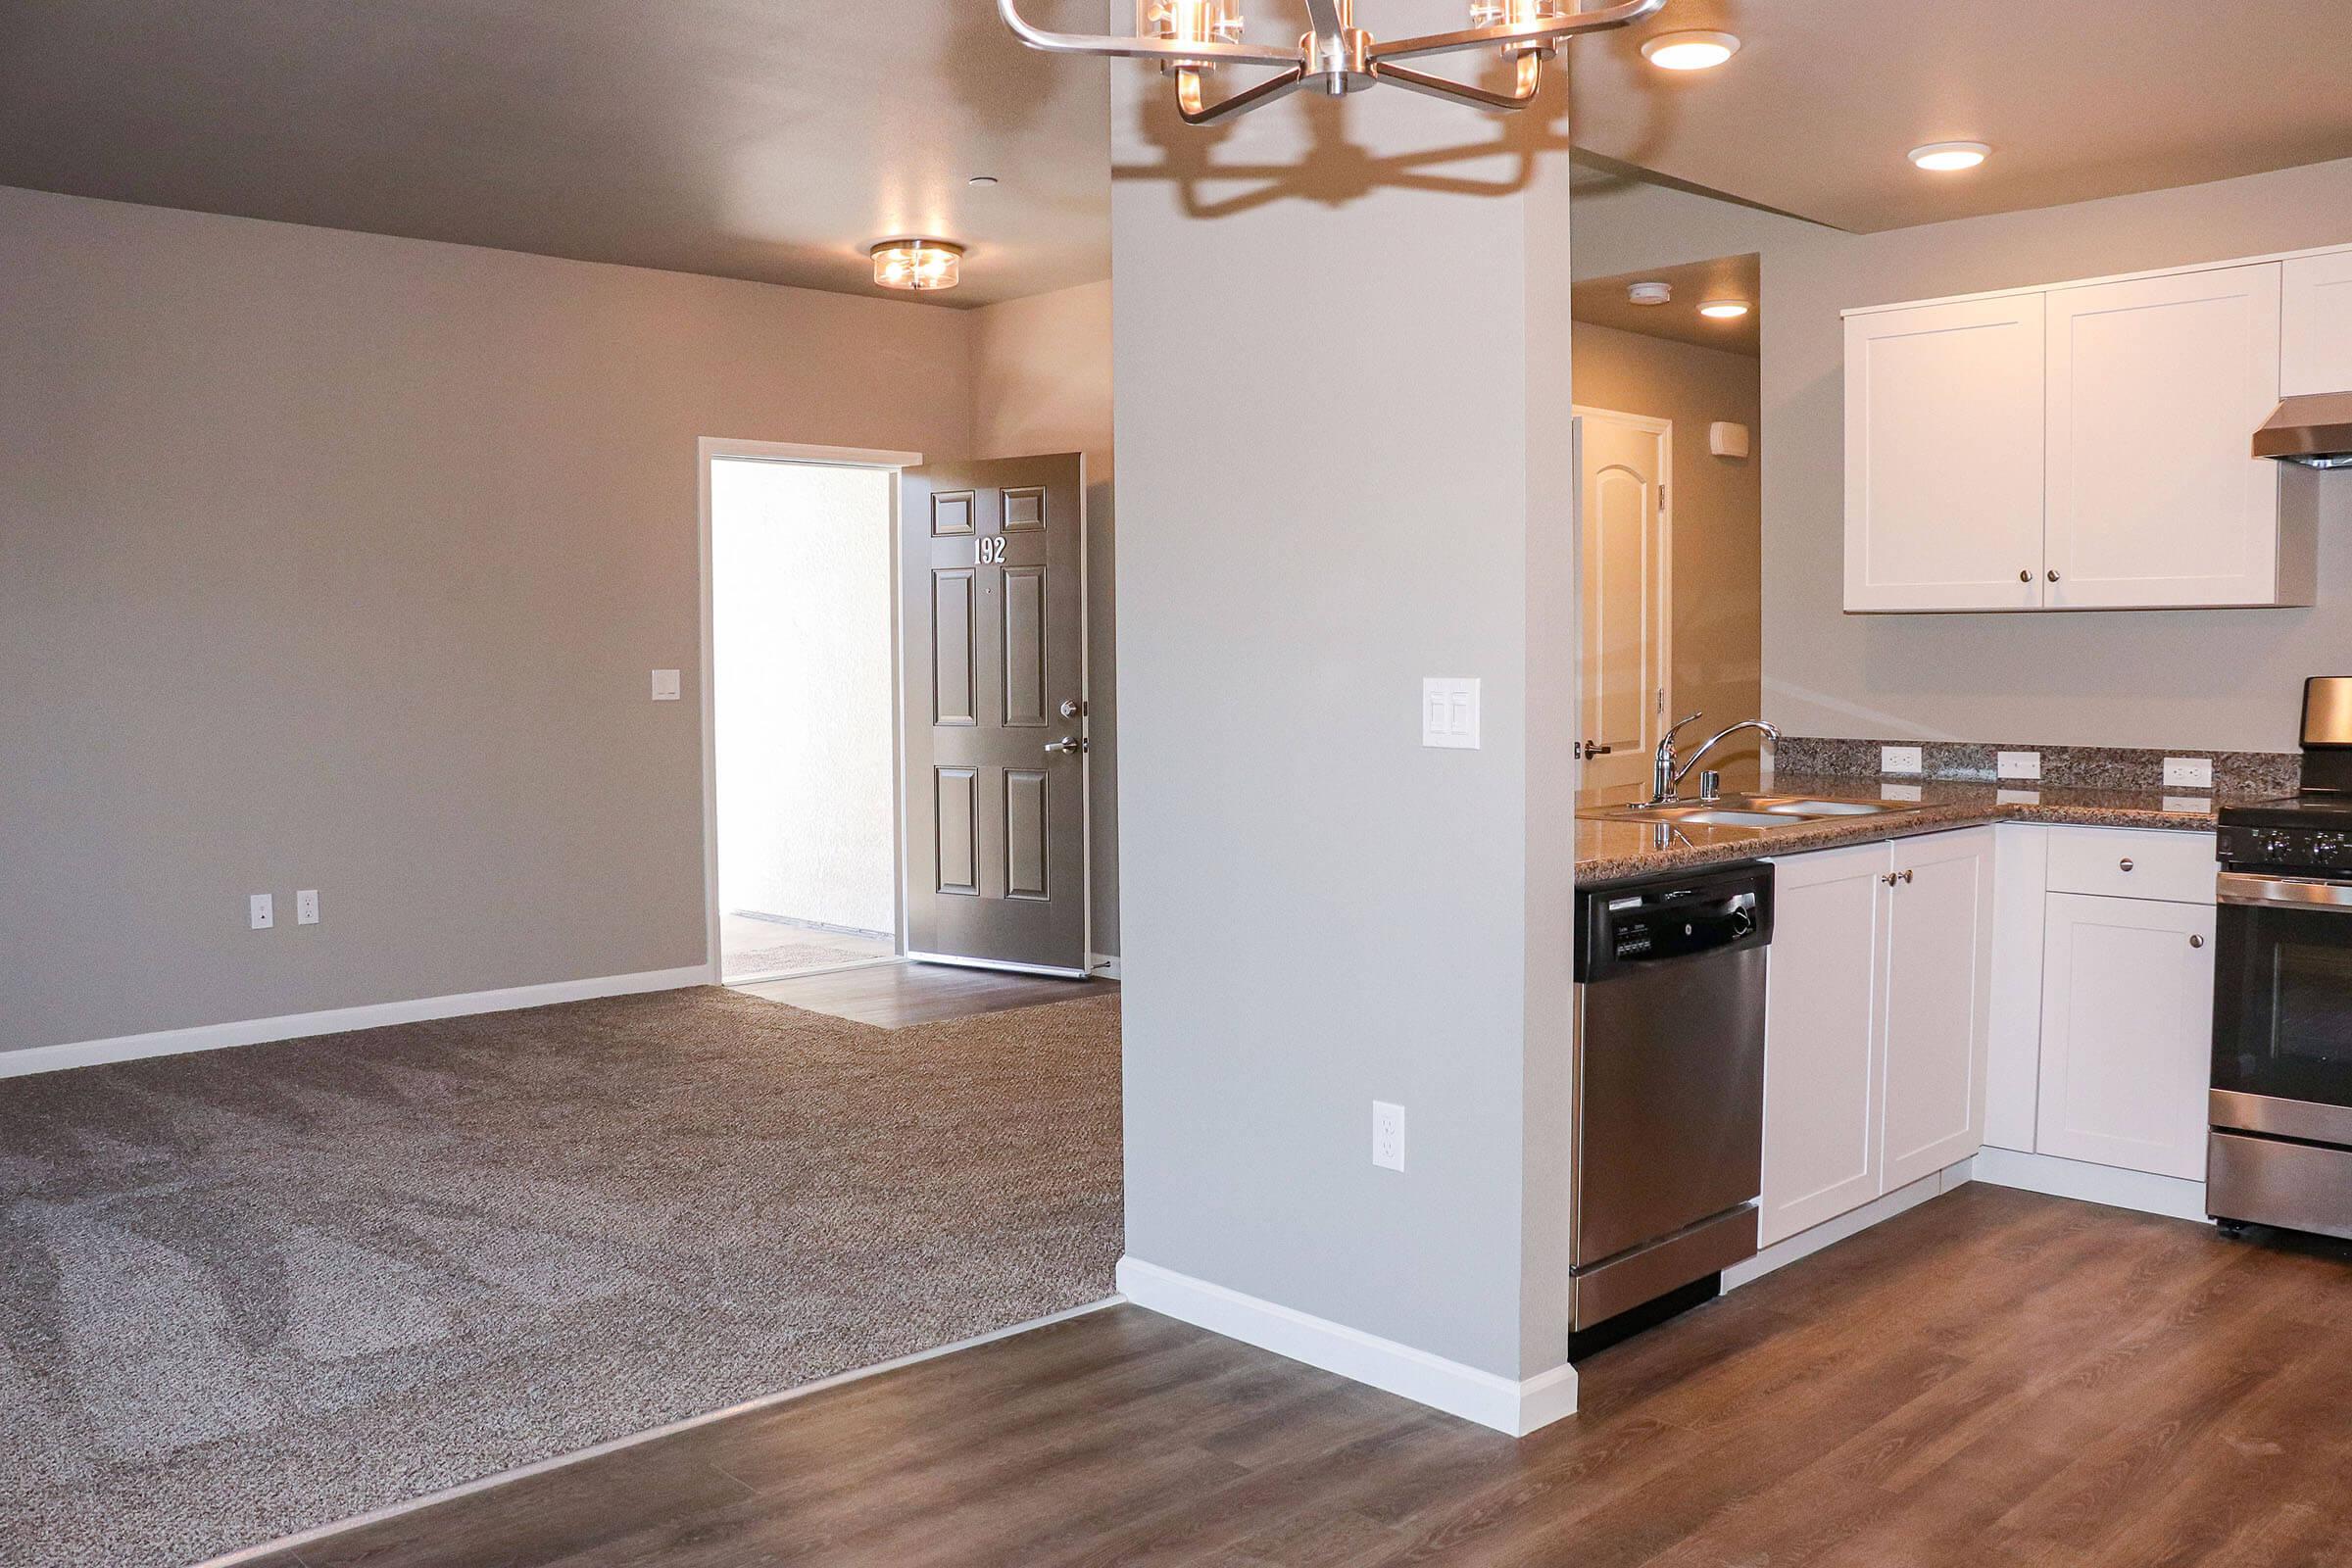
(1593, 749)
(1069, 745)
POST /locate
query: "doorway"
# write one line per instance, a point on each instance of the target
(804, 676)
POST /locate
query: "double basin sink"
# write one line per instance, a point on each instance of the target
(1746, 811)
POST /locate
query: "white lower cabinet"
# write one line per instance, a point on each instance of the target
(1874, 1022)
(2127, 1032)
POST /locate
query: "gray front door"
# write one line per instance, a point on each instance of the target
(996, 712)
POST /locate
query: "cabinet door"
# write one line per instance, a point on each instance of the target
(2155, 389)
(2127, 1033)
(1944, 455)
(2314, 337)
(1938, 995)
(1822, 1028)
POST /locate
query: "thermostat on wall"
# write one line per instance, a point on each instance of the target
(1726, 440)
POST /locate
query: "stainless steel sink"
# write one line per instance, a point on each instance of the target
(1749, 810)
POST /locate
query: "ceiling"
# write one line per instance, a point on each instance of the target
(775, 139)
(2079, 98)
(1602, 301)
(763, 139)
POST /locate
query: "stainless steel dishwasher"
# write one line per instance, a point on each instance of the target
(1670, 1093)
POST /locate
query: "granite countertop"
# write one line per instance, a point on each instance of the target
(1606, 850)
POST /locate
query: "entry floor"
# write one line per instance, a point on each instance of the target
(750, 947)
(895, 996)
(1995, 1378)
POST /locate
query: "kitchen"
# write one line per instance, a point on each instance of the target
(2107, 972)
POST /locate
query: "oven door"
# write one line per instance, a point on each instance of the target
(2282, 1008)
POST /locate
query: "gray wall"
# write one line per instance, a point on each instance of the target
(1041, 383)
(335, 561)
(1343, 415)
(1717, 514)
(2218, 679)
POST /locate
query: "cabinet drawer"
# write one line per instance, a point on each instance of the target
(2132, 864)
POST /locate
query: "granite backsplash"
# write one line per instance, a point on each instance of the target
(2246, 773)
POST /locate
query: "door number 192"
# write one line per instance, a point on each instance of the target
(991, 550)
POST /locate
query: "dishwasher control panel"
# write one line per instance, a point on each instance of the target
(1664, 918)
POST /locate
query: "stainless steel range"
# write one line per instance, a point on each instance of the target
(2280, 1148)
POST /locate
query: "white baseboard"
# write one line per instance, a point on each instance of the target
(1103, 966)
(2111, 1184)
(1853, 1222)
(1517, 1407)
(339, 1020)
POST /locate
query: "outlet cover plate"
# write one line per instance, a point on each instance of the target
(2188, 772)
(1901, 759)
(1387, 1134)
(2016, 764)
(306, 907)
(260, 911)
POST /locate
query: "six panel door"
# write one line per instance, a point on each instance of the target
(993, 620)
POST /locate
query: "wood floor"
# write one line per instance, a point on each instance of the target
(1993, 1379)
(897, 995)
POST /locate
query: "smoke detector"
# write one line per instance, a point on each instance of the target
(1649, 293)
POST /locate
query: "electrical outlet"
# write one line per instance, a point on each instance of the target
(2188, 772)
(2016, 764)
(1900, 760)
(1387, 1134)
(306, 907)
(260, 913)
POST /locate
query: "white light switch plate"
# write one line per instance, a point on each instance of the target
(1387, 1134)
(1900, 760)
(665, 685)
(1449, 712)
(306, 907)
(260, 911)
(2188, 772)
(2016, 764)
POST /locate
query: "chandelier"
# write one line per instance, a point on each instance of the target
(1189, 38)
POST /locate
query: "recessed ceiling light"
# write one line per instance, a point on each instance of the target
(1943, 156)
(1723, 310)
(981, 180)
(1649, 293)
(917, 264)
(1689, 51)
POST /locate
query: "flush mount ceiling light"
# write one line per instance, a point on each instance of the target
(1723, 310)
(1689, 51)
(1649, 293)
(981, 180)
(1943, 157)
(1191, 38)
(917, 264)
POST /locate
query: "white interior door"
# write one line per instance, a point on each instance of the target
(1627, 609)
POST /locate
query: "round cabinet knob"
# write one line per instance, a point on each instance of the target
(2126, 864)
(2025, 576)
(2197, 941)
(2053, 576)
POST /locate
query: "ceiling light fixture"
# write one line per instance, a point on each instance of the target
(917, 264)
(1191, 38)
(1943, 157)
(1649, 293)
(1689, 51)
(1723, 310)
(981, 180)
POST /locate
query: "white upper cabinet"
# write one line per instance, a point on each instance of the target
(2155, 388)
(1944, 455)
(2315, 341)
(2087, 446)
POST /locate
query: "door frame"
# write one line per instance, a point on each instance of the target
(1663, 429)
(709, 450)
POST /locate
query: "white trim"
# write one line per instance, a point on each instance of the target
(2079, 1179)
(1051, 971)
(1516, 1407)
(711, 449)
(540, 1467)
(2094, 282)
(1103, 966)
(340, 1020)
(1853, 1222)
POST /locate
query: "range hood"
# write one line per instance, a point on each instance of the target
(2314, 430)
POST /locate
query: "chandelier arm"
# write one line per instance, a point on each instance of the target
(1325, 19)
(1090, 44)
(1241, 103)
(1461, 92)
(1623, 14)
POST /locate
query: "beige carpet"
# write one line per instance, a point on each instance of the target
(251, 1292)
